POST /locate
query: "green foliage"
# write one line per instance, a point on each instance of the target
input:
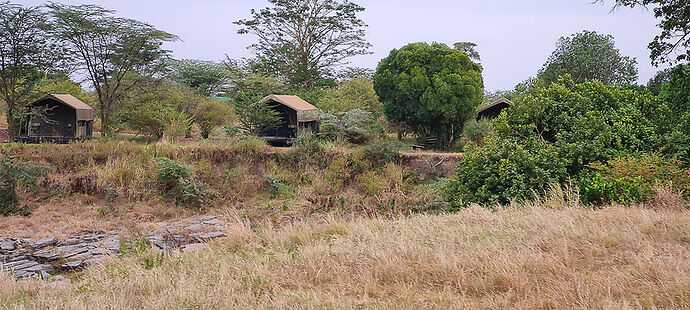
(353, 126)
(208, 78)
(12, 175)
(629, 179)
(505, 170)
(279, 188)
(150, 118)
(211, 114)
(177, 181)
(676, 92)
(432, 88)
(553, 135)
(477, 130)
(25, 50)
(255, 116)
(352, 94)
(334, 30)
(381, 152)
(674, 38)
(589, 56)
(118, 53)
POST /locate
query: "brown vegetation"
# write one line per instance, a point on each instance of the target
(552, 254)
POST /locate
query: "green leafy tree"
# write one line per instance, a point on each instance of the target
(243, 79)
(149, 118)
(470, 49)
(432, 88)
(357, 93)
(206, 77)
(255, 116)
(303, 40)
(589, 55)
(209, 115)
(24, 50)
(553, 135)
(657, 81)
(676, 93)
(116, 53)
(675, 29)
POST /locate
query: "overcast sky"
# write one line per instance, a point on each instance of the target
(514, 36)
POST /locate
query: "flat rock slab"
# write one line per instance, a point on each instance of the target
(194, 247)
(42, 243)
(201, 237)
(8, 246)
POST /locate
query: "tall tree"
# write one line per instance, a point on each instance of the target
(114, 51)
(303, 40)
(589, 55)
(206, 77)
(23, 51)
(672, 45)
(432, 88)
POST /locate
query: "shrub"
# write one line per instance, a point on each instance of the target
(176, 181)
(12, 175)
(630, 179)
(353, 125)
(555, 134)
(381, 152)
(210, 114)
(505, 170)
(477, 130)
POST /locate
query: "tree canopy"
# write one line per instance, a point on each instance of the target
(589, 55)
(304, 40)
(113, 51)
(24, 51)
(432, 88)
(209, 78)
(671, 45)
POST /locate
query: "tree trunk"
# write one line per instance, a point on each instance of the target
(12, 129)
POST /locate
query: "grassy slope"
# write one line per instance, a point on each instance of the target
(530, 257)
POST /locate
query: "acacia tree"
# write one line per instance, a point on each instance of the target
(23, 50)
(589, 56)
(303, 40)
(116, 52)
(674, 38)
(206, 77)
(432, 88)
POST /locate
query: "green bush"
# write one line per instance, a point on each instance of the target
(177, 182)
(553, 135)
(505, 170)
(381, 152)
(630, 179)
(12, 175)
(477, 130)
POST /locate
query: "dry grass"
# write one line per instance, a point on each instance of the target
(546, 255)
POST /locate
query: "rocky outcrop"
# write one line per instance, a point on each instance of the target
(44, 257)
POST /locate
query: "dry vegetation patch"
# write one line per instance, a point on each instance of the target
(528, 257)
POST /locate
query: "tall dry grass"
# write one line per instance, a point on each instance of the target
(552, 254)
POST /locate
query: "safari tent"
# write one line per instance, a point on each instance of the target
(58, 118)
(494, 109)
(297, 116)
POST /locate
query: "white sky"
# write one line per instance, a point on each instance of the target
(514, 36)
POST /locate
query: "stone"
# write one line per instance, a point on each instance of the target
(201, 237)
(8, 246)
(212, 221)
(160, 242)
(180, 239)
(194, 227)
(22, 264)
(42, 243)
(77, 264)
(23, 274)
(112, 243)
(194, 247)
